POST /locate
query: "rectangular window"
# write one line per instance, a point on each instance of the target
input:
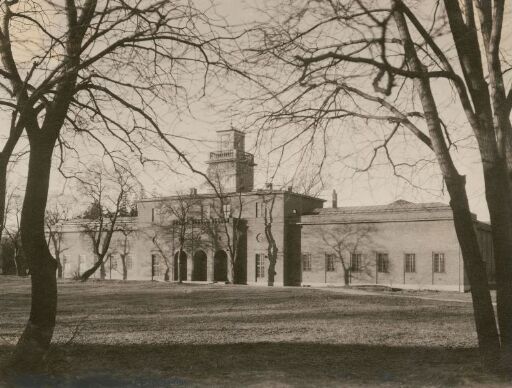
(226, 209)
(306, 262)
(153, 214)
(156, 265)
(410, 262)
(438, 262)
(257, 210)
(260, 265)
(356, 262)
(330, 260)
(382, 262)
(64, 259)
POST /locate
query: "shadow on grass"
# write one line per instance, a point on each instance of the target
(258, 364)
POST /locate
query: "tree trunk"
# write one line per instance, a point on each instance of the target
(482, 306)
(125, 270)
(271, 273)
(3, 188)
(497, 192)
(59, 267)
(99, 263)
(180, 253)
(485, 320)
(35, 340)
(346, 275)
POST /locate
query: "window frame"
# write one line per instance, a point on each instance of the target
(330, 262)
(358, 256)
(410, 262)
(260, 265)
(306, 258)
(438, 262)
(382, 262)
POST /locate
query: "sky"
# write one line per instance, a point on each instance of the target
(378, 186)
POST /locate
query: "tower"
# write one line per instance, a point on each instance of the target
(230, 166)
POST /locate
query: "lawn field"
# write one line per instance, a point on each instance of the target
(159, 334)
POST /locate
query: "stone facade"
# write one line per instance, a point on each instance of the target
(402, 244)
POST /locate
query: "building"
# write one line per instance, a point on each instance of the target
(225, 235)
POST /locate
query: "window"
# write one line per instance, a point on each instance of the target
(260, 265)
(226, 210)
(81, 260)
(330, 259)
(224, 141)
(410, 262)
(64, 259)
(113, 261)
(356, 262)
(257, 210)
(382, 262)
(438, 262)
(153, 214)
(155, 265)
(129, 262)
(306, 261)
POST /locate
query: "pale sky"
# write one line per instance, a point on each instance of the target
(378, 186)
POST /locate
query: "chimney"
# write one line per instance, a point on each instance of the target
(334, 199)
(268, 186)
(193, 191)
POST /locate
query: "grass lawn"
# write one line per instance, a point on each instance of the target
(157, 334)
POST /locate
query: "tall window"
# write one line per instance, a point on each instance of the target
(306, 261)
(330, 260)
(382, 262)
(226, 209)
(356, 262)
(153, 214)
(410, 262)
(260, 265)
(439, 261)
(257, 209)
(155, 264)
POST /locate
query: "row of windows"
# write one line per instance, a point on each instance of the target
(357, 264)
(205, 211)
(113, 260)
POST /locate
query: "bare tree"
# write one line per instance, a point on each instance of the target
(179, 213)
(11, 226)
(228, 208)
(375, 61)
(345, 241)
(272, 248)
(161, 243)
(100, 69)
(54, 217)
(128, 231)
(108, 193)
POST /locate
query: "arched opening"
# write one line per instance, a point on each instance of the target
(220, 266)
(199, 266)
(181, 266)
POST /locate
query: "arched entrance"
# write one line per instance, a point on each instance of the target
(180, 265)
(220, 266)
(199, 266)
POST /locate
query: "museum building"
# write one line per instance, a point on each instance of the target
(227, 234)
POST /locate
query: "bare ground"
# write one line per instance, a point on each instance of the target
(121, 334)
